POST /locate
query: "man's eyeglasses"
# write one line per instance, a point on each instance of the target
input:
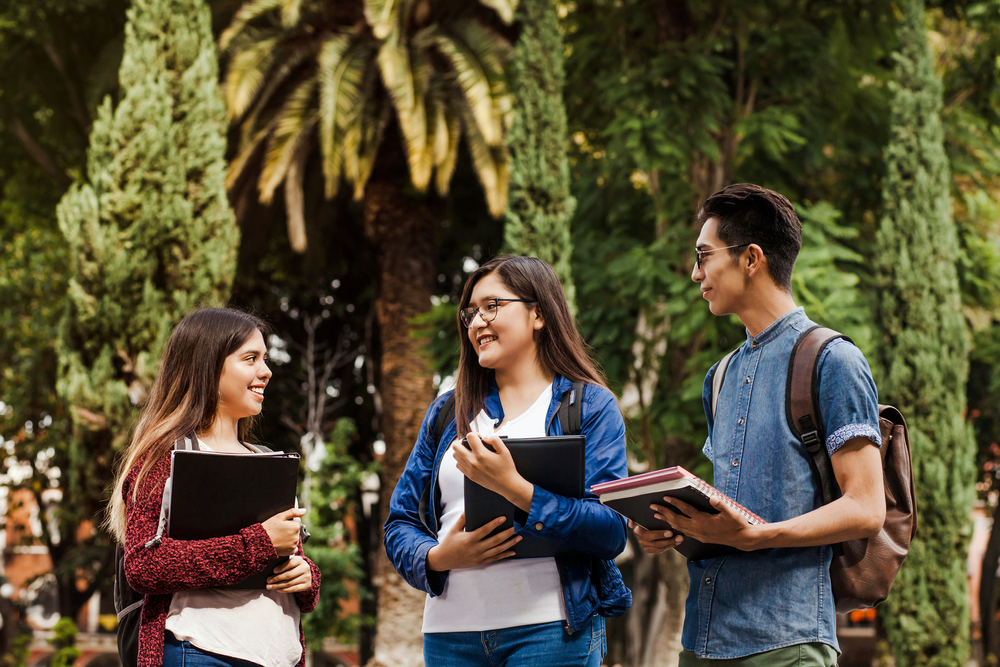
(699, 255)
(488, 311)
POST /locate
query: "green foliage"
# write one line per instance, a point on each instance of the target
(18, 655)
(333, 508)
(64, 641)
(923, 359)
(539, 205)
(151, 234)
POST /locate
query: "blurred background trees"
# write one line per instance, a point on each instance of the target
(610, 119)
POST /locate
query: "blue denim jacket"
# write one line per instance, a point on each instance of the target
(746, 603)
(591, 582)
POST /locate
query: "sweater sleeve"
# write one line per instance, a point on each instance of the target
(175, 565)
(307, 600)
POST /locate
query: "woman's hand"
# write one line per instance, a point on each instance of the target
(283, 529)
(655, 541)
(292, 576)
(493, 470)
(459, 549)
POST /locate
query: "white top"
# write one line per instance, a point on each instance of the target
(257, 625)
(507, 593)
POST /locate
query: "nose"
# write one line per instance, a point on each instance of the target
(697, 273)
(265, 372)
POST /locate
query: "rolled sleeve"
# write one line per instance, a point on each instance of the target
(848, 398)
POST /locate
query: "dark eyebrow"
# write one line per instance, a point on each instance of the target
(702, 246)
(253, 351)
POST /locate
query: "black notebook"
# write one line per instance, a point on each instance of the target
(214, 494)
(555, 463)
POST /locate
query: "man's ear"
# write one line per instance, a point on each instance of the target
(755, 261)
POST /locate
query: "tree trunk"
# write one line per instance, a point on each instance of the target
(403, 231)
(988, 595)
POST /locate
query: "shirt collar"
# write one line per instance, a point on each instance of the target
(777, 327)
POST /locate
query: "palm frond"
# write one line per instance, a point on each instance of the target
(476, 56)
(291, 10)
(490, 163)
(404, 78)
(246, 74)
(247, 150)
(382, 16)
(288, 59)
(248, 12)
(446, 165)
(342, 63)
(504, 8)
(294, 123)
(295, 198)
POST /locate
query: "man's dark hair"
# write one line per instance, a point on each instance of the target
(748, 213)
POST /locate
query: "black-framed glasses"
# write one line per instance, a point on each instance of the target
(699, 255)
(487, 310)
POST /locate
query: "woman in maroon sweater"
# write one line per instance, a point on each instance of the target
(211, 382)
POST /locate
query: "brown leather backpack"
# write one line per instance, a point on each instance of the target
(862, 570)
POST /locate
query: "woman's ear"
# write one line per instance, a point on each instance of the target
(539, 322)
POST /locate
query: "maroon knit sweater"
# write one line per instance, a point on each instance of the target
(176, 565)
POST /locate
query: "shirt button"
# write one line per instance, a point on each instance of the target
(747, 380)
(740, 421)
(753, 344)
(539, 526)
(708, 580)
(735, 462)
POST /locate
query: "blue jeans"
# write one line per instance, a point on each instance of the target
(542, 645)
(182, 654)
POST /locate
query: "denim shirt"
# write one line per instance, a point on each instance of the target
(757, 601)
(590, 581)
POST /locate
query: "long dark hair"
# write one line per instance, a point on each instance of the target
(185, 394)
(560, 347)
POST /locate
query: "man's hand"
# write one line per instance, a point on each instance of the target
(655, 541)
(727, 527)
(459, 549)
(493, 470)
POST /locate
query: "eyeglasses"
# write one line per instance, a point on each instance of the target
(699, 255)
(488, 311)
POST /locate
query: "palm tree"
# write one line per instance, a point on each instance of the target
(387, 89)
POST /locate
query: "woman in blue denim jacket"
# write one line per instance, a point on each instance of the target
(520, 353)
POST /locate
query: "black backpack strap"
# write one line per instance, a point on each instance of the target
(571, 410)
(718, 377)
(444, 417)
(802, 402)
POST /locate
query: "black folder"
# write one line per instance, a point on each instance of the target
(214, 494)
(555, 463)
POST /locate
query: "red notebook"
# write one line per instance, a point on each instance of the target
(632, 496)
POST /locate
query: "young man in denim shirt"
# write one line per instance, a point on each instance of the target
(772, 604)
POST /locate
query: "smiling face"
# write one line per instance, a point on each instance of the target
(508, 339)
(723, 282)
(244, 377)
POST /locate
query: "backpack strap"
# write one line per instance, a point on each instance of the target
(802, 402)
(445, 416)
(189, 443)
(571, 410)
(718, 377)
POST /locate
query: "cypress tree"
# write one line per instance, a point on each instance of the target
(537, 220)
(923, 360)
(150, 234)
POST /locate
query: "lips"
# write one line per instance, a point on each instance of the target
(257, 391)
(485, 340)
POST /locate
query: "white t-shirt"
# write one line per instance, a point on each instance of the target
(257, 625)
(504, 594)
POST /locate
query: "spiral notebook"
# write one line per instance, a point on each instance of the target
(631, 497)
